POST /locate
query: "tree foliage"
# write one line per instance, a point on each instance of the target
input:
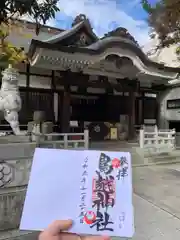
(40, 10)
(8, 52)
(11, 10)
(164, 19)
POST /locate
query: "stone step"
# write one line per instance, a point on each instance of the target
(14, 139)
(164, 159)
(18, 235)
(174, 155)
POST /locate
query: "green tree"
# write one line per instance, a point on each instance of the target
(11, 10)
(40, 10)
(9, 53)
(164, 19)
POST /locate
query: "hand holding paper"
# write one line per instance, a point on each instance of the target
(92, 188)
(54, 232)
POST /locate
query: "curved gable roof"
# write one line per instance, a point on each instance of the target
(100, 47)
(119, 39)
(69, 33)
(125, 43)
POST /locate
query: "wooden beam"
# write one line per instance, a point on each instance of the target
(35, 74)
(73, 76)
(86, 83)
(161, 87)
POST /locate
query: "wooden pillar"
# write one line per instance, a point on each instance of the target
(140, 111)
(66, 110)
(27, 104)
(131, 126)
(158, 106)
(143, 107)
(53, 88)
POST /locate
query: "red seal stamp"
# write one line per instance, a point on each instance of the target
(116, 163)
(89, 217)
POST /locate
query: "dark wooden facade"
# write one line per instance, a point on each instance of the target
(83, 106)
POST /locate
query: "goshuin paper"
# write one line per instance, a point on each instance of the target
(93, 188)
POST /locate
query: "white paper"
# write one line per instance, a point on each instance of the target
(61, 187)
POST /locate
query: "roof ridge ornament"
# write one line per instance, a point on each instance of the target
(121, 32)
(81, 18)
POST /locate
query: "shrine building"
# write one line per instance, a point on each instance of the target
(99, 82)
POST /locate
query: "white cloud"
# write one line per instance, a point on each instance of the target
(104, 13)
(28, 18)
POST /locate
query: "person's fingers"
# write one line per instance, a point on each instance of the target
(58, 226)
(95, 237)
(69, 236)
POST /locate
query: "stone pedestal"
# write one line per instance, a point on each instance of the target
(11, 204)
(47, 127)
(15, 165)
(39, 128)
(122, 130)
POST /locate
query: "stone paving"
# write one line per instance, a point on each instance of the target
(157, 202)
(152, 223)
(159, 185)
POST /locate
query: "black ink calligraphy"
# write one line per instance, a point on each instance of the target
(103, 194)
(104, 190)
(83, 189)
(102, 221)
(105, 164)
(123, 170)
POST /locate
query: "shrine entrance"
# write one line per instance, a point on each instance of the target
(99, 112)
(99, 82)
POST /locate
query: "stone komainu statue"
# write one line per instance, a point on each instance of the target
(10, 100)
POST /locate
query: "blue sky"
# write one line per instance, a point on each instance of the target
(106, 15)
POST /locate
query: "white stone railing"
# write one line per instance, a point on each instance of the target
(159, 140)
(67, 139)
(56, 140)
